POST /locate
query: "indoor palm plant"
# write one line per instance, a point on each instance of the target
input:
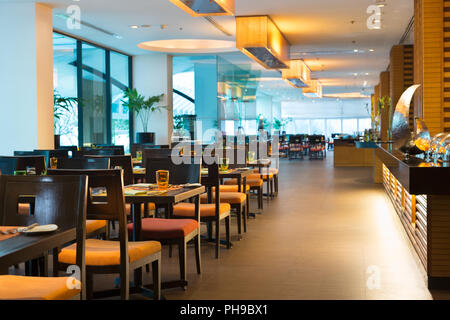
(64, 110)
(143, 108)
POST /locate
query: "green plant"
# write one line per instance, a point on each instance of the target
(280, 124)
(63, 110)
(265, 122)
(386, 103)
(178, 122)
(142, 106)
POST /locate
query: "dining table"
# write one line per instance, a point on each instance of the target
(19, 247)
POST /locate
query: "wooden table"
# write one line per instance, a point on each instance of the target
(24, 248)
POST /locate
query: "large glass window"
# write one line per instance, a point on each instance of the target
(65, 85)
(350, 126)
(98, 76)
(120, 122)
(333, 126)
(94, 95)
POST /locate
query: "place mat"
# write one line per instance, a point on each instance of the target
(7, 236)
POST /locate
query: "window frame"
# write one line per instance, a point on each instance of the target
(79, 59)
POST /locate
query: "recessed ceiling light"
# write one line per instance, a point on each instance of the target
(371, 50)
(367, 73)
(134, 27)
(145, 26)
(356, 50)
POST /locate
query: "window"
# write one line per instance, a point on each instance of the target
(318, 126)
(350, 126)
(333, 126)
(65, 85)
(364, 124)
(98, 76)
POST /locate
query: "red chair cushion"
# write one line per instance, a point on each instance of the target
(159, 229)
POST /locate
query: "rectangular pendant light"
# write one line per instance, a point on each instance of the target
(201, 8)
(314, 89)
(297, 75)
(260, 39)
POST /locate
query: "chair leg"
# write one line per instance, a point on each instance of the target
(239, 220)
(276, 184)
(217, 238)
(89, 285)
(198, 254)
(261, 199)
(268, 189)
(245, 213)
(156, 270)
(182, 260)
(147, 268)
(228, 232)
(170, 251)
(271, 188)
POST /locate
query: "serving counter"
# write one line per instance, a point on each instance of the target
(346, 154)
(420, 193)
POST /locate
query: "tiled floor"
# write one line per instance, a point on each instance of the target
(330, 234)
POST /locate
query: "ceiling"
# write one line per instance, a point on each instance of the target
(324, 33)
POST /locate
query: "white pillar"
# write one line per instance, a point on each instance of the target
(152, 75)
(26, 77)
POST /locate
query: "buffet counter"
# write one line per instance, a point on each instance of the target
(346, 154)
(420, 193)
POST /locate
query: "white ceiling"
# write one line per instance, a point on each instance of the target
(322, 32)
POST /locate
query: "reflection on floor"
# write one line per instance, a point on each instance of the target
(330, 234)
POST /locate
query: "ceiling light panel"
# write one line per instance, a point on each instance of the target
(200, 8)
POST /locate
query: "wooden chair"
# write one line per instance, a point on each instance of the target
(36, 162)
(109, 257)
(94, 228)
(155, 154)
(212, 212)
(93, 152)
(8, 165)
(84, 163)
(118, 150)
(53, 205)
(175, 231)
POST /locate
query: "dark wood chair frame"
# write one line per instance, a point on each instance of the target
(113, 209)
(66, 207)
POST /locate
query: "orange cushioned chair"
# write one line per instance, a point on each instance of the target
(211, 212)
(109, 257)
(274, 172)
(254, 184)
(66, 214)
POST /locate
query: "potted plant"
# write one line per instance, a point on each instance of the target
(64, 108)
(386, 103)
(280, 124)
(143, 108)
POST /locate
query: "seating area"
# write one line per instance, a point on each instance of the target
(126, 211)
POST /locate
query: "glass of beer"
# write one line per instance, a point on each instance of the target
(139, 155)
(162, 179)
(53, 162)
(224, 164)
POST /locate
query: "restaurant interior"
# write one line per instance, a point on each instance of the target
(225, 150)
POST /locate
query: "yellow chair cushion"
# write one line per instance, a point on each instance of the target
(151, 207)
(227, 197)
(107, 253)
(259, 176)
(206, 210)
(273, 171)
(252, 183)
(36, 288)
(94, 225)
(231, 188)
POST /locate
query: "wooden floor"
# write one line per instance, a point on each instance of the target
(328, 235)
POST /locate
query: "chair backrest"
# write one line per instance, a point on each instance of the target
(124, 162)
(57, 200)
(113, 208)
(37, 162)
(149, 154)
(8, 165)
(57, 153)
(178, 173)
(93, 152)
(83, 163)
(118, 150)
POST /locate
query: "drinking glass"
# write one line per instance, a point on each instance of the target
(162, 179)
(224, 164)
(251, 156)
(53, 162)
(20, 173)
(139, 155)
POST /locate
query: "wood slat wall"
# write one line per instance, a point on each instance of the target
(402, 75)
(446, 94)
(429, 62)
(412, 212)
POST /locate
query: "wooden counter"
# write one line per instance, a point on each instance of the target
(420, 193)
(346, 154)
